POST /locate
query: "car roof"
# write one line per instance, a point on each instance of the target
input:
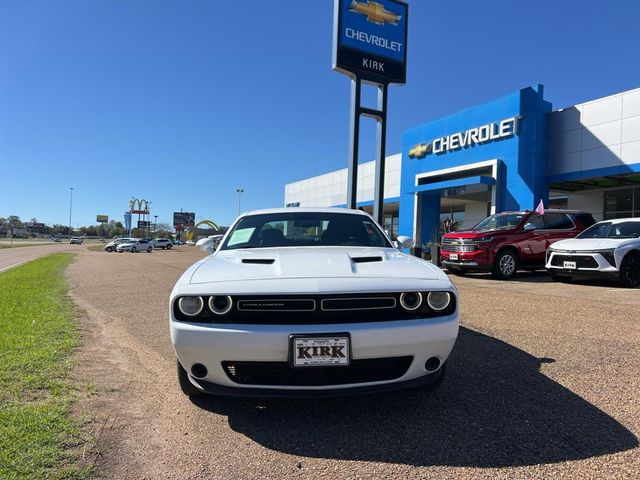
(621, 220)
(306, 210)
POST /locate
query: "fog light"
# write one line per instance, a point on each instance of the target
(191, 306)
(220, 305)
(198, 370)
(411, 301)
(432, 364)
(438, 301)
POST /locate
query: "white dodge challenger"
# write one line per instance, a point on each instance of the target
(310, 302)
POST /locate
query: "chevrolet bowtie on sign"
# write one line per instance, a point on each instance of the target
(370, 39)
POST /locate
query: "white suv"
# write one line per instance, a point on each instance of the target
(609, 249)
(163, 243)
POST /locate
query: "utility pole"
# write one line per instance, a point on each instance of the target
(70, 209)
(239, 191)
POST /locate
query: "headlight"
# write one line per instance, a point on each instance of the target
(220, 305)
(411, 301)
(190, 306)
(438, 301)
(484, 239)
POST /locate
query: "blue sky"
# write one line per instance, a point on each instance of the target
(180, 102)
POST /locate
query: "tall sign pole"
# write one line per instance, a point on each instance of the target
(370, 45)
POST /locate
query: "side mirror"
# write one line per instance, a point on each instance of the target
(206, 244)
(528, 227)
(404, 242)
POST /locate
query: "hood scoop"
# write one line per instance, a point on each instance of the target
(259, 261)
(366, 259)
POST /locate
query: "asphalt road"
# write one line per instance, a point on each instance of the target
(543, 382)
(12, 257)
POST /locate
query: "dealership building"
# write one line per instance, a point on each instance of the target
(506, 154)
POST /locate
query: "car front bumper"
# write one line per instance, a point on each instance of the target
(587, 265)
(210, 345)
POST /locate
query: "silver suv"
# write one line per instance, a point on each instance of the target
(163, 243)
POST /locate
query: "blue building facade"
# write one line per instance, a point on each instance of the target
(509, 169)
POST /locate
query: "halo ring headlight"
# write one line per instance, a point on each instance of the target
(438, 301)
(221, 304)
(191, 306)
(410, 301)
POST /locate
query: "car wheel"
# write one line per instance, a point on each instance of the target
(134, 249)
(630, 270)
(185, 384)
(169, 247)
(149, 250)
(506, 265)
(109, 249)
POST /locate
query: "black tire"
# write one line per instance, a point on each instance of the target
(109, 249)
(185, 384)
(505, 265)
(134, 249)
(149, 250)
(630, 270)
(439, 380)
(169, 247)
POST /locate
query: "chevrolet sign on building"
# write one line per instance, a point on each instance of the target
(469, 138)
(370, 39)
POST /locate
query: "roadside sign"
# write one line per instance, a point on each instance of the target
(187, 219)
(102, 218)
(127, 220)
(370, 39)
(143, 224)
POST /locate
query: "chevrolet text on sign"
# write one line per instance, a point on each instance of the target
(370, 39)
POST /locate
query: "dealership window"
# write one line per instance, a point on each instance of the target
(390, 223)
(620, 203)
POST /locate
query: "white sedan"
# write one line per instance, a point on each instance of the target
(133, 245)
(609, 249)
(310, 302)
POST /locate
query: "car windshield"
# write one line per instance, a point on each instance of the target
(612, 230)
(502, 221)
(305, 229)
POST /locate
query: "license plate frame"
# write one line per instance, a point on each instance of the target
(569, 265)
(319, 340)
(453, 256)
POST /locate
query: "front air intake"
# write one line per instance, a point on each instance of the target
(366, 259)
(258, 261)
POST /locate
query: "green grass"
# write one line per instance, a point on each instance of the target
(21, 244)
(37, 336)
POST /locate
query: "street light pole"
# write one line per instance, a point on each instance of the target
(239, 191)
(70, 209)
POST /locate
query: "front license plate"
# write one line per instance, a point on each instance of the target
(320, 351)
(453, 256)
(570, 265)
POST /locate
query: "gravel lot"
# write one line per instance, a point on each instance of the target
(543, 382)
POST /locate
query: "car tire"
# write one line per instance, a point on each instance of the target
(109, 249)
(630, 270)
(185, 384)
(169, 247)
(149, 250)
(505, 265)
(134, 249)
(438, 381)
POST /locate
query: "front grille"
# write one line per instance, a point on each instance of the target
(459, 245)
(582, 261)
(282, 374)
(277, 305)
(341, 304)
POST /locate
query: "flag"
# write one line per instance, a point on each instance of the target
(540, 208)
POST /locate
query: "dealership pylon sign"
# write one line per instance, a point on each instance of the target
(370, 45)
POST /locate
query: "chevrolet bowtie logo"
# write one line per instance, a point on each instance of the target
(375, 12)
(420, 150)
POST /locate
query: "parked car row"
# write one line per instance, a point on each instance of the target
(568, 243)
(134, 245)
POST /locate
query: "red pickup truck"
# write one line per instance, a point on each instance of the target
(505, 242)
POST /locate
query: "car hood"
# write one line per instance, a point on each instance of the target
(589, 244)
(471, 234)
(313, 262)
